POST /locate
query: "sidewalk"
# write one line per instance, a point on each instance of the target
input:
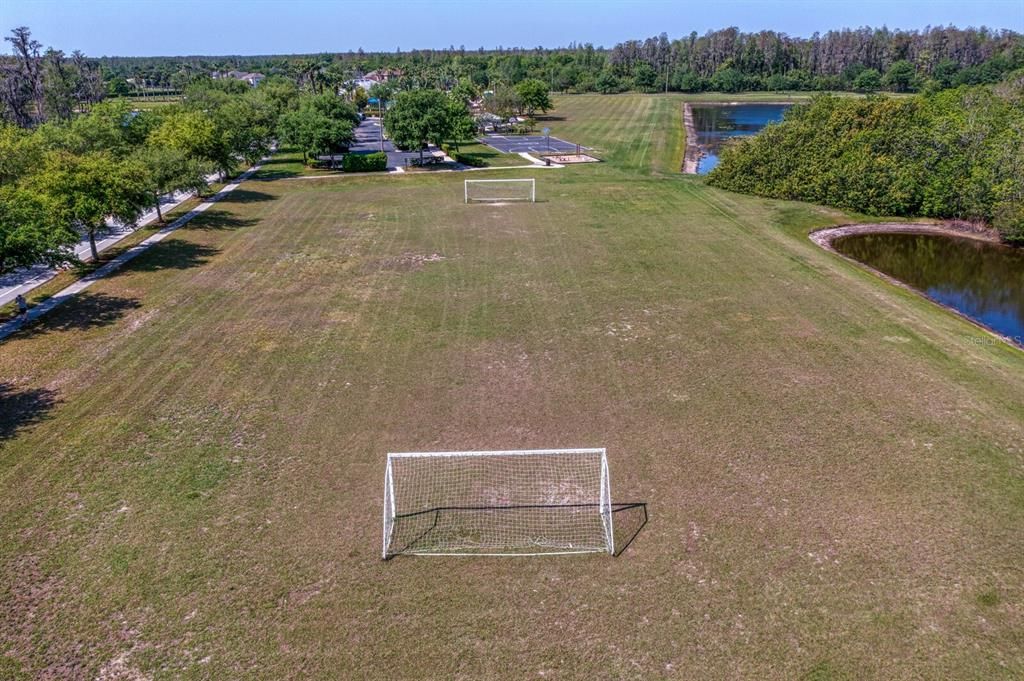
(85, 282)
(24, 280)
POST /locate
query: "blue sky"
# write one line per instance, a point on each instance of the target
(180, 27)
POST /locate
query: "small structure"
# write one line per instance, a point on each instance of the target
(488, 122)
(253, 79)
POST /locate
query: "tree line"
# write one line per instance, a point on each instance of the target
(37, 85)
(957, 153)
(848, 59)
(725, 60)
(62, 179)
(862, 59)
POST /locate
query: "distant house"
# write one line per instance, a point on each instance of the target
(376, 76)
(364, 83)
(383, 75)
(253, 79)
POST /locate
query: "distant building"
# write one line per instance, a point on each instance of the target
(367, 81)
(253, 79)
(383, 75)
(377, 76)
(364, 83)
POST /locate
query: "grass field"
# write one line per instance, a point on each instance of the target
(154, 101)
(192, 453)
(492, 157)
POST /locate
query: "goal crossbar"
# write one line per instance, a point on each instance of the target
(497, 503)
(491, 191)
(498, 452)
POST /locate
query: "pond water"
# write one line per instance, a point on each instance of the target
(984, 281)
(715, 124)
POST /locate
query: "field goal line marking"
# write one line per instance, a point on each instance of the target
(511, 555)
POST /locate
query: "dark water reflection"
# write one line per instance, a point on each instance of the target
(985, 281)
(717, 123)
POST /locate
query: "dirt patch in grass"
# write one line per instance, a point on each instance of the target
(405, 262)
(833, 476)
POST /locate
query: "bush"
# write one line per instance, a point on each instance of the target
(364, 163)
(468, 160)
(1009, 220)
(953, 154)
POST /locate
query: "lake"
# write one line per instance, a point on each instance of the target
(983, 280)
(716, 123)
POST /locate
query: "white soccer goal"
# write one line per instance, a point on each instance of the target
(501, 503)
(501, 191)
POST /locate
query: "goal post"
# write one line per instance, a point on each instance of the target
(498, 503)
(501, 191)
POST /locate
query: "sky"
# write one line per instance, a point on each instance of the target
(221, 27)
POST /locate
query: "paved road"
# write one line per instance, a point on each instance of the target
(368, 139)
(24, 280)
(85, 282)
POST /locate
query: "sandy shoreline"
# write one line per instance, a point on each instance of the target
(691, 157)
(825, 237)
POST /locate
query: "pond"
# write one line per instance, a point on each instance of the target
(714, 124)
(983, 280)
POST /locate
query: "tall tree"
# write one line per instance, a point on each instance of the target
(26, 52)
(169, 170)
(418, 118)
(321, 124)
(900, 76)
(88, 189)
(533, 95)
(29, 231)
(196, 134)
(461, 125)
(20, 153)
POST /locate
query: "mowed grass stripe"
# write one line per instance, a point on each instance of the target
(829, 489)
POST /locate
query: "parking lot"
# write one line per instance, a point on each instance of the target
(531, 144)
(368, 139)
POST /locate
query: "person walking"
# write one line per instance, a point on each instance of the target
(22, 304)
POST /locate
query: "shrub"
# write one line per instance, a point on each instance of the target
(468, 160)
(953, 154)
(364, 163)
(1009, 220)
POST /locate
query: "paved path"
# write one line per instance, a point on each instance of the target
(24, 280)
(368, 139)
(87, 281)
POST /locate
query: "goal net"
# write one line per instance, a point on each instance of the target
(501, 191)
(521, 502)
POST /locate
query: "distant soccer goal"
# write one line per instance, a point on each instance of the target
(501, 191)
(498, 503)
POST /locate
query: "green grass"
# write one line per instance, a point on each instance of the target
(154, 102)
(492, 157)
(69, 276)
(191, 453)
(287, 163)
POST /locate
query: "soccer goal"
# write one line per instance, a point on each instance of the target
(501, 191)
(501, 503)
